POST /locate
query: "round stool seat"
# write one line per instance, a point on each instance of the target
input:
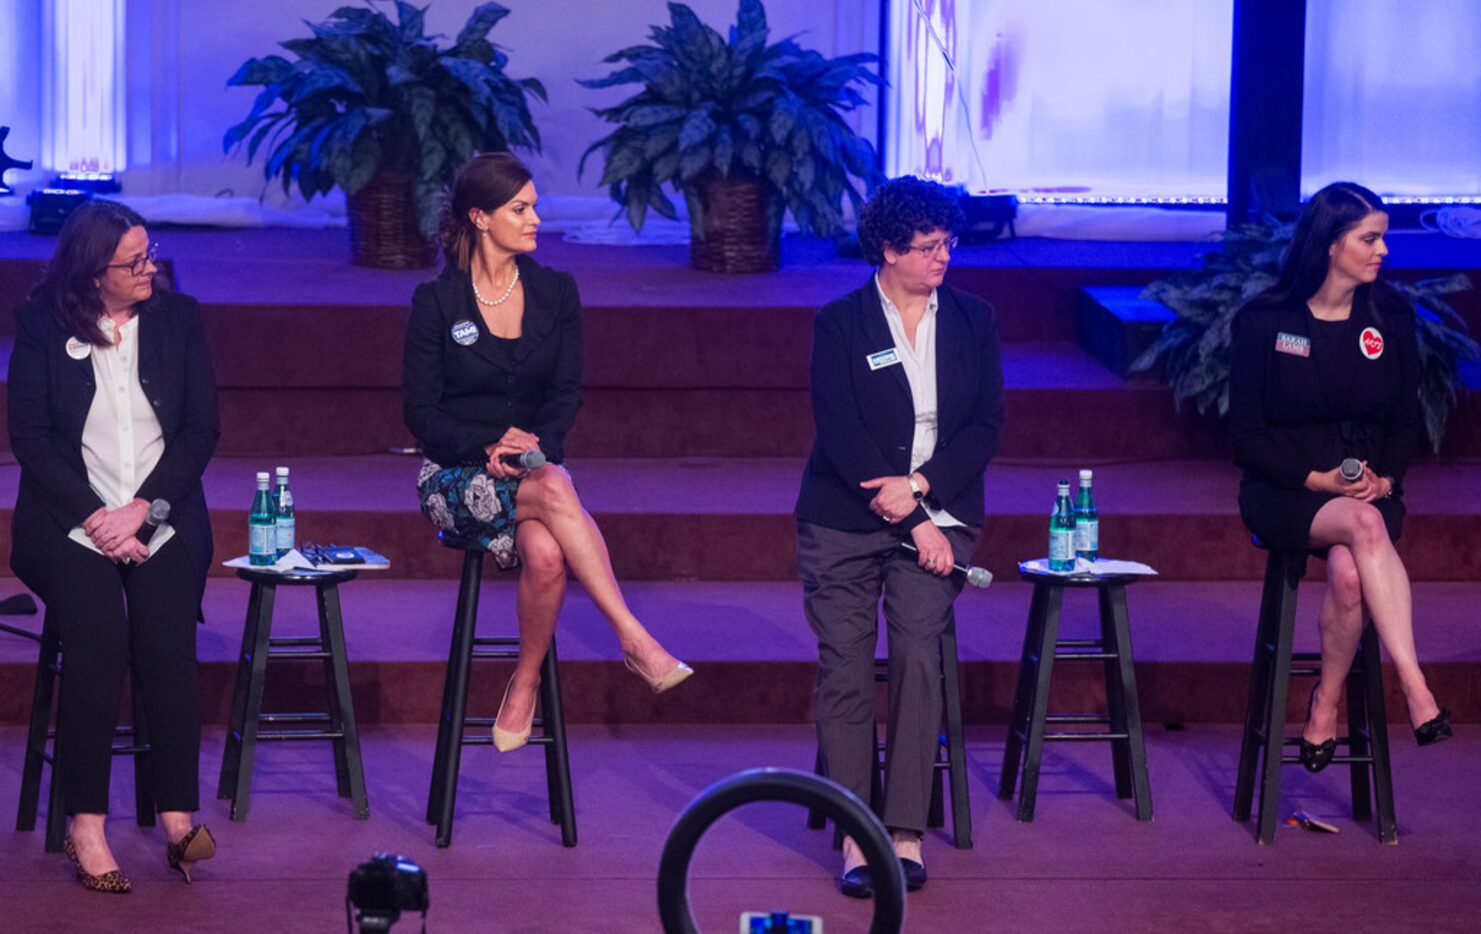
(450, 540)
(296, 576)
(1076, 580)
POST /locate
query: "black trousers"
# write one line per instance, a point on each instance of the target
(844, 575)
(109, 614)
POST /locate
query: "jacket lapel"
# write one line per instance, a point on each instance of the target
(455, 299)
(539, 314)
(951, 335)
(878, 336)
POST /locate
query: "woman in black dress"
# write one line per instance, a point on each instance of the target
(492, 369)
(1324, 368)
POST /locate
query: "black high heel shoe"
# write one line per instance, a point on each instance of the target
(1317, 756)
(1434, 730)
(196, 846)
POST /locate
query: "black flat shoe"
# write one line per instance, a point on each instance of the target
(1433, 730)
(1316, 757)
(857, 883)
(915, 874)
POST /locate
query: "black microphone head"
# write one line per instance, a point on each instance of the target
(532, 459)
(159, 511)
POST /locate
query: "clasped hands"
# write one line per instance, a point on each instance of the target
(894, 500)
(515, 441)
(1365, 489)
(115, 531)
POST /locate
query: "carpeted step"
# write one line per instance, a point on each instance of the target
(727, 519)
(755, 655)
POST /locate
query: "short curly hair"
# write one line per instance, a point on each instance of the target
(901, 208)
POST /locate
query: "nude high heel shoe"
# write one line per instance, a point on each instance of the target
(659, 683)
(510, 740)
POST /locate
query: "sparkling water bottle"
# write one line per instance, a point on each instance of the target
(1087, 521)
(261, 540)
(1062, 531)
(285, 524)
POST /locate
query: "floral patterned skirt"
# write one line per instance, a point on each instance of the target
(471, 504)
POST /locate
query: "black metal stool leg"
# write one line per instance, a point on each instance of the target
(1358, 733)
(557, 755)
(231, 756)
(1115, 695)
(56, 811)
(457, 705)
(349, 770)
(1383, 781)
(1256, 708)
(36, 736)
(1128, 707)
(956, 742)
(1048, 635)
(1028, 662)
(1292, 568)
(261, 627)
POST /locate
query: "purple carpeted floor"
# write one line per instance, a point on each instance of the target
(1084, 864)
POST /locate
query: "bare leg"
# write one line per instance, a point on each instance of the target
(542, 588)
(86, 833)
(177, 824)
(1385, 586)
(1341, 626)
(546, 495)
(906, 842)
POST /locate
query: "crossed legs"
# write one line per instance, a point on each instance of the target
(1363, 568)
(554, 531)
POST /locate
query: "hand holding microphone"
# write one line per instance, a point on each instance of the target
(159, 513)
(527, 460)
(977, 577)
(513, 454)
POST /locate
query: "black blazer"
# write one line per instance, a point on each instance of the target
(459, 398)
(50, 395)
(1291, 414)
(865, 419)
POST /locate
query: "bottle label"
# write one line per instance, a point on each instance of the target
(1087, 535)
(285, 529)
(1061, 545)
(260, 540)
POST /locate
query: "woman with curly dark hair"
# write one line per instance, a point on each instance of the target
(907, 394)
(1325, 367)
(492, 370)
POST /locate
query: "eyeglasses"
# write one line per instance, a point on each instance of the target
(933, 249)
(137, 265)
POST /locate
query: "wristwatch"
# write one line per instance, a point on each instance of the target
(915, 489)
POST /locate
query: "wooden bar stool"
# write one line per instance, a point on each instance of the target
(135, 743)
(549, 727)
(951, 755)
(1042, 647)
(1265, 714)
(258, 648)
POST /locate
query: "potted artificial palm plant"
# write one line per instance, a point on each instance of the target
(379, 110)
(743, 130)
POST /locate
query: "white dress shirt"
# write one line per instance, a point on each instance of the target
(919, 362)
(121, 439)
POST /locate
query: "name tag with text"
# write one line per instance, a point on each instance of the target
(1293, 344)
(878, 361)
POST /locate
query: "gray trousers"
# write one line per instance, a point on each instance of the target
(844, 575)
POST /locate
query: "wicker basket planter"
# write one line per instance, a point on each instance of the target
(740, 228)
(383, 225)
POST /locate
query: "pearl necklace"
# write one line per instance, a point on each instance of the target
(502, 298)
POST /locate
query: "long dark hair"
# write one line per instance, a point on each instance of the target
(85, 246)
(486, 182)
(1324, 220)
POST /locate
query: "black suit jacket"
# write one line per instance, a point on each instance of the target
(49, 397)
(459, 398)
(1291, 414)
(865, 419)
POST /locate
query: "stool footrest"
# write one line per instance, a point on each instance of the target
(1085, 656)
(263, 735)
(503, 655)
(1080, 644)
(294, 640)
(292, 717)
(301, 656)
(1084, 737)
(1077, 718)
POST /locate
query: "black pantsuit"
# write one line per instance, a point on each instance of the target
(106, 613)
(109, 614)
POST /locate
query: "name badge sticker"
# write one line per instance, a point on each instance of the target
(1293, 344)
(1371, 342)
(465, 332)
(878, 361)
(78, 349)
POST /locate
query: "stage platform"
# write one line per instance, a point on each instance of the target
(1083, 864)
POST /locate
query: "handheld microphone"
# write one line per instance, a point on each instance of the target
(159, 512)
(977, 577)
(529, 460)
(1352, 469)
